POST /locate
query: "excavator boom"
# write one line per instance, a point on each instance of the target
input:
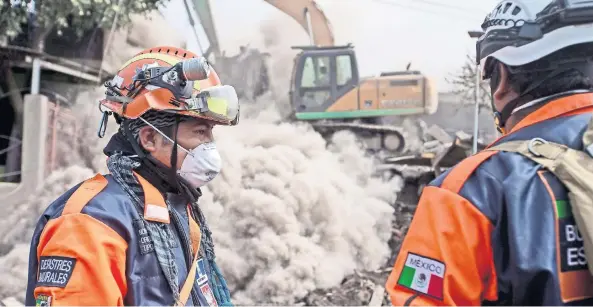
(310, 16)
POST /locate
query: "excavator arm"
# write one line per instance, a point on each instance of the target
(310, 16)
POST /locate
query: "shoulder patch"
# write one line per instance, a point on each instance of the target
(424, 275)
(55, 271)
(202, 275)
(42, 300)
(208, 295)
(576, 283)
(144, 239)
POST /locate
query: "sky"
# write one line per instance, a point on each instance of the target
(387, 34)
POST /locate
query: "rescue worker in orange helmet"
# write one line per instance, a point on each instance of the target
(495, 229)
(137, 236)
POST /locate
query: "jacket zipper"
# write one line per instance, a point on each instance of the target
(185, 247)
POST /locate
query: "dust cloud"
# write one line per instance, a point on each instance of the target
(291, 213)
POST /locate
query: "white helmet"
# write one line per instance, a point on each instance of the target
(518, 32)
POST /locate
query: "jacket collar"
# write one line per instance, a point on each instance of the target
(565, 106)
(155, 207)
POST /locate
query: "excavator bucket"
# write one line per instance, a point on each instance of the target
(449, 156)
(247, 71)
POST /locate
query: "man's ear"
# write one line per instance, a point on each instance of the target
(503, 84)
(147, 137)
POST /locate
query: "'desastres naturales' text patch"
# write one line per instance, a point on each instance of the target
(55, 271)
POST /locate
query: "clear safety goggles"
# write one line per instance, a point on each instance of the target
(218, 102)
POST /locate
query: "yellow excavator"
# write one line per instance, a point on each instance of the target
(327, 90)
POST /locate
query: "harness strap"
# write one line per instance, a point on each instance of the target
(588, 138)
(195, 235)
(457, 177)
(538, 150)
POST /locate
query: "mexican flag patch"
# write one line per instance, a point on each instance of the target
(43, 300)
(424, 275)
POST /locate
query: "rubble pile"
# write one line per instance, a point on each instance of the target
(436, 139)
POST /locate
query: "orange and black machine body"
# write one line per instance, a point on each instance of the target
(326, 85)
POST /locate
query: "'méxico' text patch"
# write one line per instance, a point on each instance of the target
(55, 271)
(424, 275)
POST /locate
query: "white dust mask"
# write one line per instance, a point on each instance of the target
(201, 164)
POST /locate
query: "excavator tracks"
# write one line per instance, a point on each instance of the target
(389, 138)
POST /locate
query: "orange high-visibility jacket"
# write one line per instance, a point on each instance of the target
(91, 248)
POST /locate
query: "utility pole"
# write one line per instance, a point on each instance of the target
(476, 35)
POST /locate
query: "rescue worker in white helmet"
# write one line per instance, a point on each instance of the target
(137, 235)
(497, 229)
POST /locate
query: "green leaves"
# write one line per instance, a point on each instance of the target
(81, 15)
(11, 18)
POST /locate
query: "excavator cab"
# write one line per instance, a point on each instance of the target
(326, 85)
(320, 77)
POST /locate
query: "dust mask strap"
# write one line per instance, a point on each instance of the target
(166, 137)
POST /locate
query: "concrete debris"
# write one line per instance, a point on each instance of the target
(252, 80)
(432, 146)
(378, 296)
(354, 290)
(11, 301)
(439, 134)
(464, 136)
(437, 139)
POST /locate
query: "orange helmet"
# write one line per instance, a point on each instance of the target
(172, 80)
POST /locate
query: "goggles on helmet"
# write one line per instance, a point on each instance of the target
(219, 102)
(175, 89)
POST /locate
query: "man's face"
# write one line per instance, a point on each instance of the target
(190, 135)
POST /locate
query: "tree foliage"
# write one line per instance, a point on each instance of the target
(17, 16)
(464, 82)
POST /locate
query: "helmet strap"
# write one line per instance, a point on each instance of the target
(137, 149)
(173, 173)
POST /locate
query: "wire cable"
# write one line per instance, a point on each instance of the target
(462, 13)
(450, 6)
